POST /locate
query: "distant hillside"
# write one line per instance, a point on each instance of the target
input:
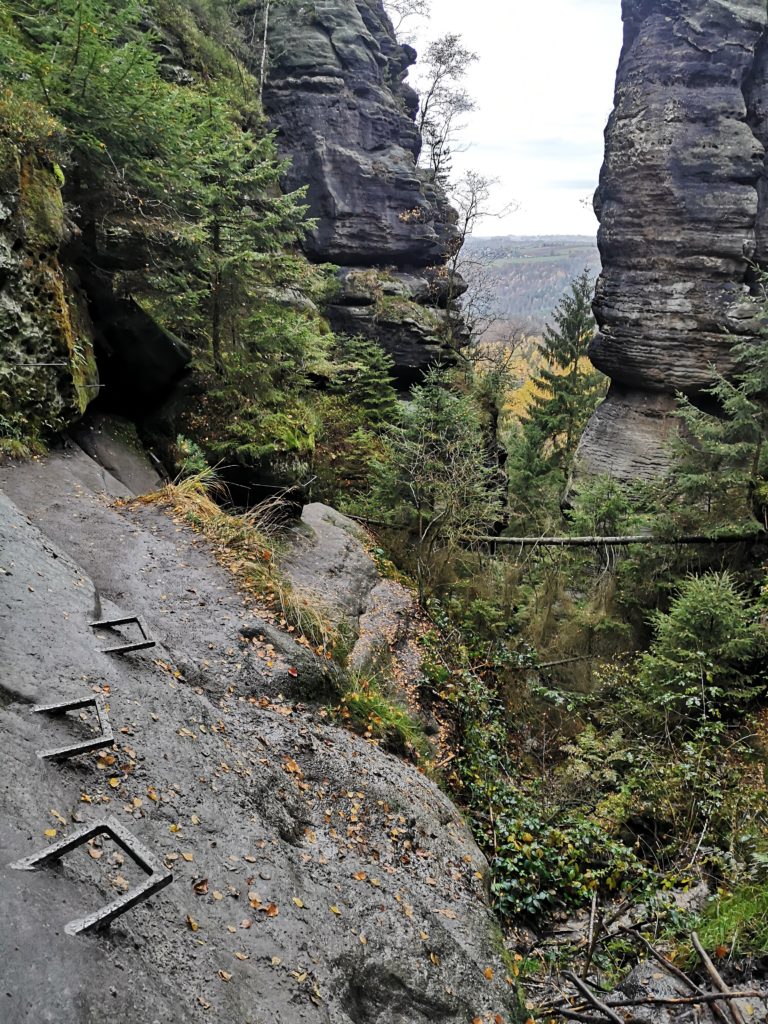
(527, 275)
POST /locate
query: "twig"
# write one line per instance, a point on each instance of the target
(714, 974)
(592, 998)
(593, 936)
(676, 972)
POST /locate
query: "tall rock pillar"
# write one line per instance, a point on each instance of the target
(683, 210)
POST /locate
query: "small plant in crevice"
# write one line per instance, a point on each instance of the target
(368, 705)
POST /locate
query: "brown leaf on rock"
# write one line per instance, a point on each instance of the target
(200, 886)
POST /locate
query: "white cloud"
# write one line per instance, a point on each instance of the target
(544, 89)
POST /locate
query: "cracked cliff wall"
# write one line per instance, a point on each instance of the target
(345, 116)
(683, 210)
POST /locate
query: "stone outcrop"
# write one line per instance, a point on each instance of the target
(683, 209)
(317, 879)
(46, 346)
(337, 94)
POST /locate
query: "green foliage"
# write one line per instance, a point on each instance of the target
(542, 857)
(568, 391)
(434, 474)
(736, 921)
(363, 374)
(191, 459)
(719, 472)
(368, 707)
(702, 666)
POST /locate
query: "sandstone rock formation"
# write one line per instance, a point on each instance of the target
(48, 369)
(341, 885)
(337, 94)
(683, 209)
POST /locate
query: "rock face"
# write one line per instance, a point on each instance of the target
(342, 886)
(46, 346)
(337, 94)
(683, 209)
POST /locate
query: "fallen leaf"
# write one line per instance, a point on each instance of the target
(363, 940)
(231, 929)
(152, 794)
(50, 832)
(334, 910)
(488, 974)
(246, 922)
(360, 876)
(242, 956)
(272, 910)
(114, 782)
(187, 857)
(94, 853)
(218, 895)
(298, 902)
(192, 924)
(225, 975)
(195, 820)
(201, 886)
(292, 672)
(446, 912)
(205, 1006)
(120, 883)
(276, 961)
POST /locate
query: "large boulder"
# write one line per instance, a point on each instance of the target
(316, 878)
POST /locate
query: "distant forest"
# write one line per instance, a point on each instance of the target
(527, 275)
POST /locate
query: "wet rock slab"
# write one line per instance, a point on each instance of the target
(316, 877)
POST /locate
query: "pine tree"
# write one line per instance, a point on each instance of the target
(568, 391)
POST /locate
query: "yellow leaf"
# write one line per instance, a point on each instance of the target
(84, 798)
(50, 832)
(218, 895)
(195, 820)
(114, 782)
(488, 974)
(334, 910)
(298, 902)
(192, 924)
(152, 793)
(360, 876)
(187, 857)
(241, 956)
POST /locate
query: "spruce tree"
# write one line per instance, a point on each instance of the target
(567, 390)
(365, 378)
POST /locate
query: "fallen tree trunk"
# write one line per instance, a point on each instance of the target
(595, 542)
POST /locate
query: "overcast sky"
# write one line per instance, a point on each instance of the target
(544, 89)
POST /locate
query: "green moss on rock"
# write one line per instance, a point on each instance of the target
(49, 373)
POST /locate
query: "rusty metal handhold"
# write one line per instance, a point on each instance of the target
(159, 876)
(141, 645)
(104, 739)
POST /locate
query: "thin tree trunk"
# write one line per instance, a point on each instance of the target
(263, 70)
(218, 361)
